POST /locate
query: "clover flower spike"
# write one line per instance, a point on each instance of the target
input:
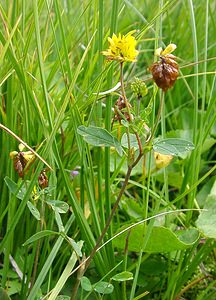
(122, 47)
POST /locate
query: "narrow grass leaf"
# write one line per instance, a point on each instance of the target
(59, 221)
(75, 246)
(117, 86)
(65, 274)
(52, 255)
(4, 295)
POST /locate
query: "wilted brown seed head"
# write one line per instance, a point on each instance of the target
(165, 72)
(19, 164)
(43, 179)
(120, 106)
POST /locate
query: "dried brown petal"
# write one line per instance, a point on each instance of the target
(165, 72)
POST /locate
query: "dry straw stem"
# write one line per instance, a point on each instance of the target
(24, 144)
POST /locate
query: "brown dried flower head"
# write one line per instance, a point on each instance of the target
(165, 71)
(19, 164)
(43, 179)
(21, 159)
(120, 110)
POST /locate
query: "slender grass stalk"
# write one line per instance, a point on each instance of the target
(108, 118)
(189, 286)
(49, 261)
(99, 114)
(195, 111)
(41, 65)
(38, 246)
(201, 129)
(123, 92)
(68, 68)
(146, 197)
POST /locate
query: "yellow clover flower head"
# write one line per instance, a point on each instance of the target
(122, 47)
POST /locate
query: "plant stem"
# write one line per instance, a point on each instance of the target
(123, 92)
(109, 218)
(157, 118)
(196, 281)
(79, 276)
(130, 168)
(97, 245)
(38, 243)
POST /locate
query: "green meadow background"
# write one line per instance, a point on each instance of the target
(51, 75)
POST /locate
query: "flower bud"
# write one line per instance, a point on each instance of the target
(139, 88)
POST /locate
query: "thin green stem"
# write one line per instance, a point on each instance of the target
(108, 118)
(123, 92)
(157, 119)
(193, 165)
(38, 242)
(109, 220)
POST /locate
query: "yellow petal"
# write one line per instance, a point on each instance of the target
(158, 51)
(21, 147)
(13, 154)
(28, 155)
(130, 32)
(122, 47)
(162, 160)
(169, 49)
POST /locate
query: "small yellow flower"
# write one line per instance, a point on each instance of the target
(122, 47)
(35, 195)
(162, 160)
